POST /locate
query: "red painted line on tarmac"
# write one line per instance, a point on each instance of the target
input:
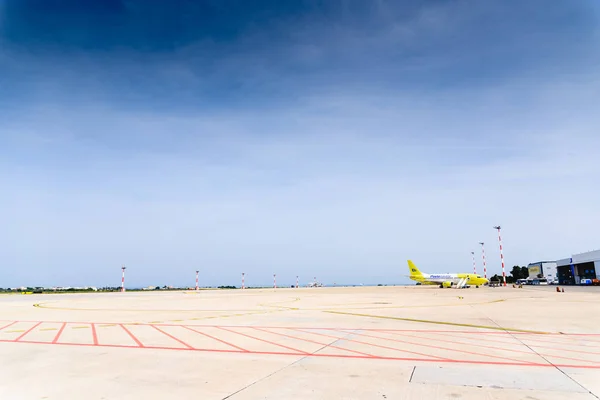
(505, 333)
(173, 337)
(371, 344)
(511, 341)
(530, 339)
(448, 361)
(588, 340)
(11, 324)
(140, 344)
(523, 351)
(315, 342)
(263, 340)
(561, 343)
(94, 334)
(496, 333)
(537, 346)
(215, 338)
(27, 331)
(440, 348)
(578, 334)
(60, 331)
(517, 343)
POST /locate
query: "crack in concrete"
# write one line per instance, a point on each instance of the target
(539, 355)
(287, 366)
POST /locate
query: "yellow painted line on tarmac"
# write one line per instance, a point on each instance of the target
(425, 321)
(16, 331)
(107, 325)
(48, 329)
(276, 304)
(80, 327)
(43, 305)
(372, 306)
(419, 306)
(234, 315)
(155, 322)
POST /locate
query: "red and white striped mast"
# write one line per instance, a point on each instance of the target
(197, 287)
(501, 254)
(274, 281)
(483, 254)
(474, 265)
(243, 283)
(123, 278)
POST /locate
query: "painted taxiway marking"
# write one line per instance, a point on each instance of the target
(432, 346)
(496, 328)
(327, 345)
(94, 335)
(6, 326)
(131, 335)
(27, 331)
(215, 338)
(51, 307)
(278, 307)
(367, 343)
(62, 328)
(296, 351)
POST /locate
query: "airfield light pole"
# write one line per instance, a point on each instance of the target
(197, 288)
(296, 281)
(274, 281)
(501, 255)
(474, 265)
(123, 268)
(243, 285)
(483, 254)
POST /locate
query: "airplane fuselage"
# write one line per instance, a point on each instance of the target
(437, 279)
(446, 279)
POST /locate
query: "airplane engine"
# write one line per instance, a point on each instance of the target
(446, 284)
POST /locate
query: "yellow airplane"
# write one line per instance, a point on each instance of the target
(445, 280)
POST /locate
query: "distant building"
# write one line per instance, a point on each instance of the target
(580, 266)
(543, 269)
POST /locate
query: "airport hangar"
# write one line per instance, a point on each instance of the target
(568, 271)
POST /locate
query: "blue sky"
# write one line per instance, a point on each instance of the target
(316, 138)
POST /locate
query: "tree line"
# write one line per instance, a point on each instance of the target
(515, 274)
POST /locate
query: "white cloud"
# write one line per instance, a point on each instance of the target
(332, 188)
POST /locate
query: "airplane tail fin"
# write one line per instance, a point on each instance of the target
(414, 271)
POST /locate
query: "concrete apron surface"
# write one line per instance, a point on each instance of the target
(317, 343)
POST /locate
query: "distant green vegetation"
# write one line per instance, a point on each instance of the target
(515, 274)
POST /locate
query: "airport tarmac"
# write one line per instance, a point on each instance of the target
(308, 343)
